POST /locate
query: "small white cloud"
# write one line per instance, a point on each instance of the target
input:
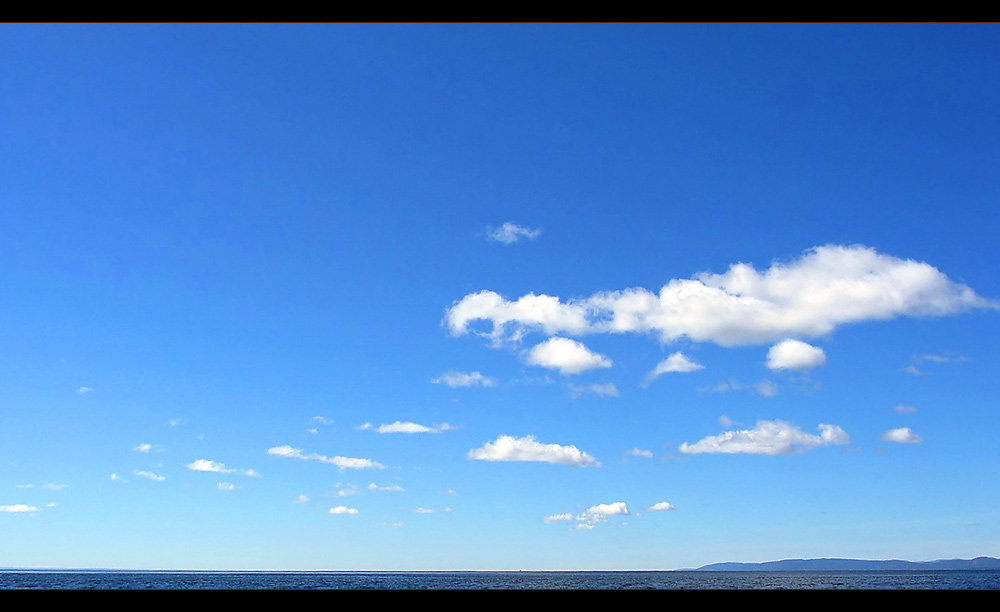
(509, 233)
(321, 420)
(204, 465)
(424, 510)
(83, 390)
(768, 438)
(50, 505)
(301, 499)
(25, 486)
(148, 475)
(225, 486)
(727, 422)
(661, 506)
(677, 362)
(556, 518)
(116, 477)
(343, 510)
(584, 526)
(795, 355)
(605, 510)
(346, 490)
(52, 486)
(176, 422)
(250, 473)
(396, 524)
(375, 487)
(343, 463)
(915, 371)
(409, 428)
(904, 409)
(902, 435)
(567, 356)
(508, 448)
(18, 509)
(605, 390)
(639, 452)
(766, 388)
(462, 379)
(313, 430)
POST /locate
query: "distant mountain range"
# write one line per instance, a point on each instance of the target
(819, 565)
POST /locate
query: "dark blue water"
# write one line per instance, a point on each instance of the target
(972, 579)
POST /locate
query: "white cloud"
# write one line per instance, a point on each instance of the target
(148, 475)
(508, 448)
(341, 462)
(915, 371)
(768, 438)
(904, 409)
(606, 390)
(321, 420)
(638, 452)
(795, 355)
(462, 379)
(116, 477)
(313, 430)
(677, 362)
(661, 506)
(18, 508)
(52, 486)
(947, 357)
(584, 526)
(25, 486)
(343, 510)
(567, 356)
(408, 427)
(424, 510)
(204, 465)
(811, 296)
(50, 505)
(605, 510)
(766, 388)
(902, 435)
(143, 448)
(301, 499)
(83, 390)
(556, 518)
(176, 422)
(250, 473)
(509, 233)
(375, 487)
(225, 486)
(346, 490)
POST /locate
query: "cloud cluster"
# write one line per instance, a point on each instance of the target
(810, 296)
(509, 233)
(567, 356)
(795, 355)
(18, 508)
(591, 516)
(343, 463)
(768, 438)
(508, 448)
(462, 379)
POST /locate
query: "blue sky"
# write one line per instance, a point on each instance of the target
(497, 297)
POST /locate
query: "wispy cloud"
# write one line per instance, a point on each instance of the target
(508, 448)
(301, 499)
(53, 486)
(768, 438)
(904, 409)
(225, 486)
(83, 390)
(423, 510)
(343, 463)
(321, 420)
(604, 390)
(509, 233)
(915, 371)
(590, 517)
(946, 357)
(148, 475)
(764, 387)
(639, 452)
(375, 487)
(463, 379)
(116, 477)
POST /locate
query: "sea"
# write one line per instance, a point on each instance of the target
(883, 579)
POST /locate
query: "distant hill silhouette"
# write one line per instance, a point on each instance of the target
(819, 565)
